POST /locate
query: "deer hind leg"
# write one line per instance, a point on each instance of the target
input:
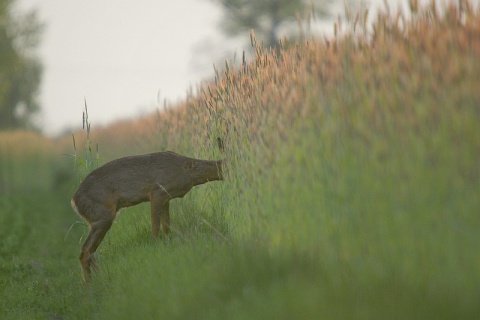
(159, 206)
(98, 229)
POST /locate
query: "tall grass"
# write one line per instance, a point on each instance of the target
(360, 157)
(352, 178)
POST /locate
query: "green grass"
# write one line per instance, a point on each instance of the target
(39, 278)
(348, 196)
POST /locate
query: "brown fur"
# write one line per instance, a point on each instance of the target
(156, 177)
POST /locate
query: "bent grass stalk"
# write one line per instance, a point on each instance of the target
(87, 163)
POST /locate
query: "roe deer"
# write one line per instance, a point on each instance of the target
(156, 177)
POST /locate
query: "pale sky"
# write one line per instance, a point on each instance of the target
(121, 56)
(125, 57)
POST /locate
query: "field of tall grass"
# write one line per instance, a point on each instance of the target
(351, 189)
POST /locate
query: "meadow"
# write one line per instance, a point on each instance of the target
(351, 192)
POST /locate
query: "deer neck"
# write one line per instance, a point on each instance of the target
(203, 171)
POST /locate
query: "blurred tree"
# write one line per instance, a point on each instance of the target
(266, 17)
(20, 69)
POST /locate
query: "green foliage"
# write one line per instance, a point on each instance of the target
(351, 193)
(20, 70)
(24, 155)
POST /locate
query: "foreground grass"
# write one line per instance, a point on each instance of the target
(38, 277)
(411, 274)
(352, 193)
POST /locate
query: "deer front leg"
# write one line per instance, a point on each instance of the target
(159, 210)
(165, 219)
